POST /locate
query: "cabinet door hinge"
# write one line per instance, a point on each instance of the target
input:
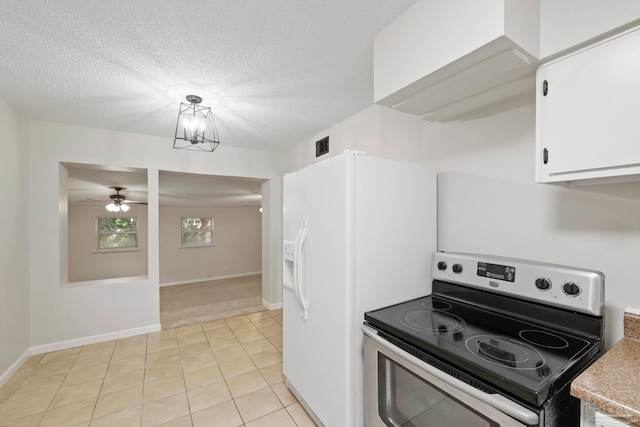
(545, 88)
(545, 156)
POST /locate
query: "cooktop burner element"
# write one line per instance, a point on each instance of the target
(505, 352)
(436, 305)
(544, 339)
(433, 321)
(488, 317)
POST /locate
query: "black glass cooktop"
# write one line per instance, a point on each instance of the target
(520, 357)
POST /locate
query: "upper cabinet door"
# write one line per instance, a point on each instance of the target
(588, 113)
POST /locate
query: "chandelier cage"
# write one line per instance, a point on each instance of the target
(195, 128)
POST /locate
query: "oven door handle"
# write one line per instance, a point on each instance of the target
(496, 400)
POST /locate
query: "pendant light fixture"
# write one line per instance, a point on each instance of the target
(195, 129)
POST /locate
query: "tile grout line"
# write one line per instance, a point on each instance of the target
(257, 323)
(44, 414)
(184, 379)
(270, 385)
(144, 377)
(225, 378)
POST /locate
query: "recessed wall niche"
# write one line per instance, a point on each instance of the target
(104, 244)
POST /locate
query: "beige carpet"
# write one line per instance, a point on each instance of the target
(201, 302)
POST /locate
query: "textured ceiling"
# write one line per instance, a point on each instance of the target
(275, 72)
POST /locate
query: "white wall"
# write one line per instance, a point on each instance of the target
(495, 207)
(237, 240)
(62, 313)
(489, 203)
(566, 23)
(486, 147)
(272, 245)
(237, 250)
(379, 131)
(550, 224)
(85, 263)
(14, 217)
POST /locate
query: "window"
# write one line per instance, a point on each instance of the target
(197, 232)
(116, 233)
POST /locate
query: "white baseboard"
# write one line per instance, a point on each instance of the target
(275, 306)
(77, 342)
(4, 377)
(208, 279)
(63, 345)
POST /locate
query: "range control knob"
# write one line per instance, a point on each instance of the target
(442, 266)
(543, 283)
(457, 268)
(571, 288)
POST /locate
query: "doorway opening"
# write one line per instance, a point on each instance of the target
(210, 241)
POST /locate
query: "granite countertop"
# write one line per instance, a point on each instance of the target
(612, 383)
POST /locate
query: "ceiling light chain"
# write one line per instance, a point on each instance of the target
(195, 128)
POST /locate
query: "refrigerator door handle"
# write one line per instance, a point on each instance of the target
(296, 266)
(300, 281)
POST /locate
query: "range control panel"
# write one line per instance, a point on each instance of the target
(567, 287)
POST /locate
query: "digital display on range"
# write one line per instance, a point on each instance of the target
(496, 271)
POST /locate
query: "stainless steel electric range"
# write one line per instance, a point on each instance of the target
(496, 343)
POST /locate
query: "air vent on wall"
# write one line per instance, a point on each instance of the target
(322, 146)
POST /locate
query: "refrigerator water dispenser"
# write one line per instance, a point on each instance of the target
(289, 256)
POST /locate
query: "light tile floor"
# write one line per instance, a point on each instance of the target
(226, 372)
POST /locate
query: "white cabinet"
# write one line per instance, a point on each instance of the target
(446, 60)
(603, 420)
(588, 113)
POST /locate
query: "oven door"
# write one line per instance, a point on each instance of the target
(402, 390)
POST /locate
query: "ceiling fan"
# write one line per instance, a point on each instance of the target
(119, 202)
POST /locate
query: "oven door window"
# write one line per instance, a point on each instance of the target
(405, 399)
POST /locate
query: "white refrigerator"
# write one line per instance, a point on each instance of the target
(359, 233)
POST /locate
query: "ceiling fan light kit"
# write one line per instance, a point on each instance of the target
(117, 203)
(112, 207)
(195, 128)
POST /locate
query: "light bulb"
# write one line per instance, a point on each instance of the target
(111, 207)
(192, 124)
(124, 208)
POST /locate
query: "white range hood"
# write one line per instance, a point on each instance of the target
(445, 60)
